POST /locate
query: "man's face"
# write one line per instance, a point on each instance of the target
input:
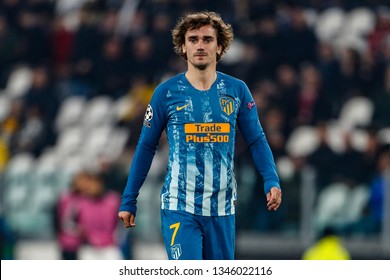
(201, 47)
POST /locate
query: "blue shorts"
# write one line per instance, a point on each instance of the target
(191, 237)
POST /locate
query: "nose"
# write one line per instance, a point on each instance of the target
(200, 45)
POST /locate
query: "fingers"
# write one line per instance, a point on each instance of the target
(132, 220)
(274, 199)
(127, 218)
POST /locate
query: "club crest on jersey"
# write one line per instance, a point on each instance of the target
(176, 251)
(227, 105)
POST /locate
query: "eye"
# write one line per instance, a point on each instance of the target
(192, 40)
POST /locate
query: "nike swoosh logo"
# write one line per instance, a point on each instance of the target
(181, 107)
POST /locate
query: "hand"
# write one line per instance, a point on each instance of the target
(127, 218)
(274, 198)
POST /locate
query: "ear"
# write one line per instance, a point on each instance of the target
(183, 48)
(219, 50)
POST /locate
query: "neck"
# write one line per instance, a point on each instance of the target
(201, 79)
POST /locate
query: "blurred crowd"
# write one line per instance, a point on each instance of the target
(302, 68)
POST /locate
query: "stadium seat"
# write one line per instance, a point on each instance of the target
(116, 143)
(384, 135)
(350, 41)
(69, 141)
(19, 82)
(47, 188)
(359, 21)
(235, 53)
(37, 250)
(88, 252)
(5, 105)
(285, 167)
(336, 131)
(303, 141)
(329, 24)
(335, 136)
(69, 166)
(98, 111)
(356, 111)
(121, 107)
(95, 143)
(359, 139)
(70, 112)
(330, 207)
(339, 205)
(18, 167)
(357, 200)
(311, 17)
(17, 188)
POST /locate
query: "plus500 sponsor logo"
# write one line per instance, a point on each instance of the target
(207, 132)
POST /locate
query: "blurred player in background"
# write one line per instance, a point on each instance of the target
(199, 110)
(329, 246)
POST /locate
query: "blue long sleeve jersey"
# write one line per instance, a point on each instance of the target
(200, 127)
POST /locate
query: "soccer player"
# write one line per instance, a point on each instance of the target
(199, 110)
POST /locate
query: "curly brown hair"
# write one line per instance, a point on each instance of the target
(194, 21)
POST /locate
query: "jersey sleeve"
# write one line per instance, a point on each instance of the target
(154, 123)
(252, 131)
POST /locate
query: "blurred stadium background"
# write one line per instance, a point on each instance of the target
(76, 76)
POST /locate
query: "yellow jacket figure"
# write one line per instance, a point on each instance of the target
(329, 247)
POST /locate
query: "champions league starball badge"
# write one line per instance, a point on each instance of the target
(148, 113)
(148, 116)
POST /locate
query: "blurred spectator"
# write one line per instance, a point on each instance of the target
(376, 202)
(35, 46)
(381, 116)
(43, 98)
(83, 57)
(251, 66)
(87, 220)
(114, 176)
(313, 105)
(355, 73)
(7, 241)
(328, 247)
(287, 80)
(11, 125)
(111, 76)
(4, 154)
(141, 54)
(371, 154)
(379, 42)
(9, 49)
(62, 39)
(68, 218)
(11, 9)
(139, 95)
(98, 221)
(341, 202)
(32, 135)
(161, 36)
(323, 159)
(274, 127)
(267, 40)
(328, 66)
(351, 169)
(371, 220)
(296, 34)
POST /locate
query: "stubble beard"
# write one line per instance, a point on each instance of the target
(201, 66)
